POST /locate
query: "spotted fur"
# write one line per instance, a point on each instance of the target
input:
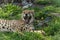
(17, 25)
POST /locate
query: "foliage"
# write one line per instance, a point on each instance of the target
(10, 11)
(47, 2)
(43, 2)
(53, 27)
(18, 36)
(44, 12)
(49, 8)
(56, 37)
(57, 9)
(56, 2)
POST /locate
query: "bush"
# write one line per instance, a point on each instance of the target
(53, 27)
(49, 8)
(40, 14)
(43, 2)
(56, 2)
(10, 11)
(56, 37)
(47, 2)
(57, 9)
(45, 12)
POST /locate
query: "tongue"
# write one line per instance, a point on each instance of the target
(26, 21)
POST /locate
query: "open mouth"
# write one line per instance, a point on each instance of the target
(27, 18)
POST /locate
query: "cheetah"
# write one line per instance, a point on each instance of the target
(25, 24)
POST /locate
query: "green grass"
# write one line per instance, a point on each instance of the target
(53, 26)
(10, 11)
(51, 30)
(18, 36)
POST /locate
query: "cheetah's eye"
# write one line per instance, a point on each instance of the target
(26, 14)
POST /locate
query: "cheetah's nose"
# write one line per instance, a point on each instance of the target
(26, 14)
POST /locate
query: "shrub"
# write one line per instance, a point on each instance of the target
(40, 14)
(56, 2)
(57, 9)
(44, 2)
(56, 36)
(53, 27)
(10, 11)
(49, 8)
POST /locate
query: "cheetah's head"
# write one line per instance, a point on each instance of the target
(27, 16)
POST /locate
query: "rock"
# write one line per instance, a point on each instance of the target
(47, 19)
(26, 4)
(44, 22)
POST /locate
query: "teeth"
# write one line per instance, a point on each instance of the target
(28, 15)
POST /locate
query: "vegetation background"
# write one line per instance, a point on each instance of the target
(47, 10)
